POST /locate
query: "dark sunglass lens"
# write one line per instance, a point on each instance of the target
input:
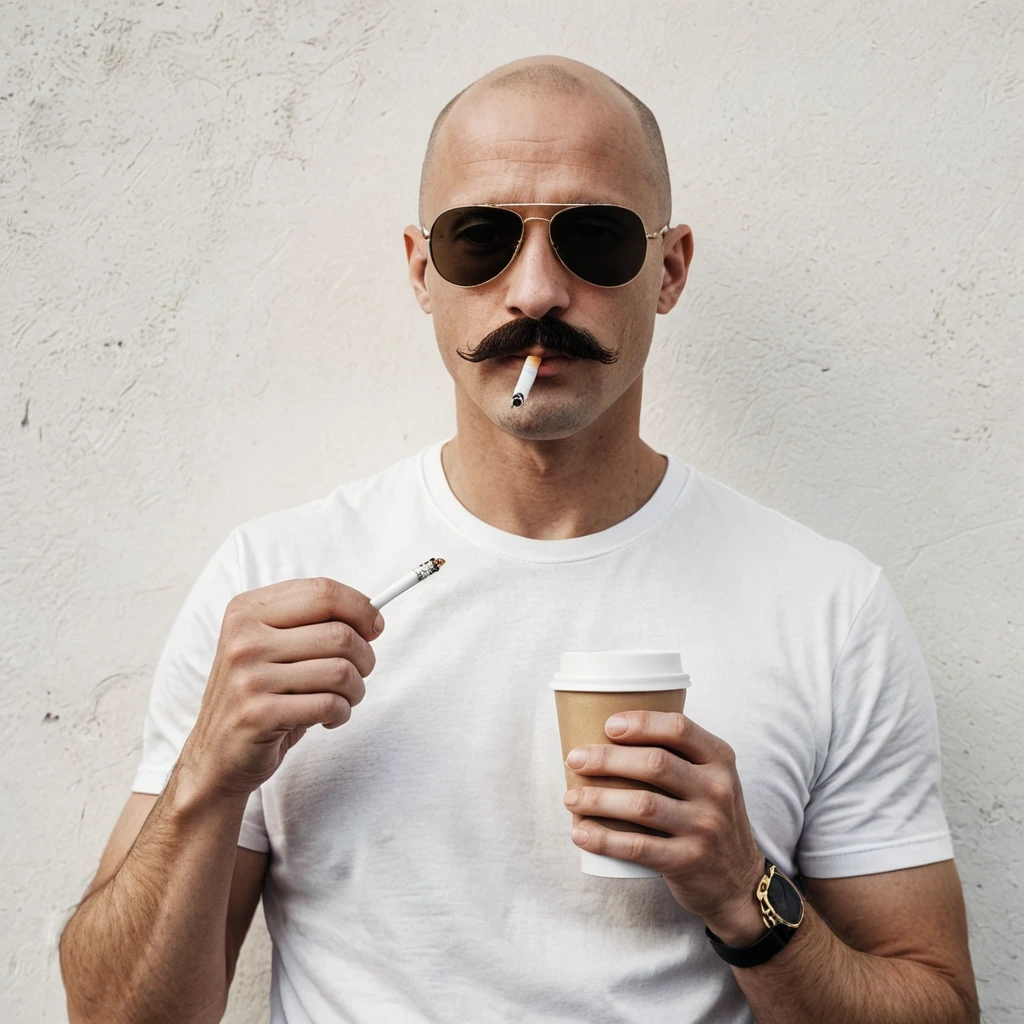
(605, 245)
(471, 244)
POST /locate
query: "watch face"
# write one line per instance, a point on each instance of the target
(785, 899)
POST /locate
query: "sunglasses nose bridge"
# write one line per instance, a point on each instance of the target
(524, 236)
(542, 238)
(538, 280)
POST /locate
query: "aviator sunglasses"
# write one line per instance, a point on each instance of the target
(602, 245)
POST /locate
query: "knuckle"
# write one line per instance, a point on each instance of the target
(234, 634)
(704, 827)
(728, 755)
(339, 635)
(646, 805)
(656, 761)
(371, 659)
(677, 726)
(249, 683)
(688, 856)
(235, 650)
(242, 640)
(357, 690)
(336, 708)
(338, 670)
(719, 790)
(700, 850)
(248, 716)
(636, 845)
(322, 589)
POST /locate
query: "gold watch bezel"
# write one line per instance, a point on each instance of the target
(769, 914)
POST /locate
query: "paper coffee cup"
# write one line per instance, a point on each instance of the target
(590, 687)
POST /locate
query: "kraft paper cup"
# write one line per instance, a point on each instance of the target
(590, 687)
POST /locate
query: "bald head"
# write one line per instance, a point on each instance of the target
(558, 78)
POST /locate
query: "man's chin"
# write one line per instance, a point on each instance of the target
(537, 423)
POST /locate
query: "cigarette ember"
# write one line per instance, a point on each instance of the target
(526, 378)
(420, 573)
(428, 568)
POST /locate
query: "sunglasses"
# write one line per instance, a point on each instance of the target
(600, 244)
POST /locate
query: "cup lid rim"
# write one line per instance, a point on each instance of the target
(631, 664)
(614, 684)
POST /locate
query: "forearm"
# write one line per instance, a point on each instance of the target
(149, 945)
(818, 978)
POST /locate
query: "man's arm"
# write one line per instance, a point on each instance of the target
(155, 940)
(158, 933)
(899, 952)
(896, 954)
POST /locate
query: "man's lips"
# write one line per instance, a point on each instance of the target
(549, 366)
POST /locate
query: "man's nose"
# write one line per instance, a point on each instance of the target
(538, 284)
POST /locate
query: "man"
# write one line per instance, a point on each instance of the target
(416, 866)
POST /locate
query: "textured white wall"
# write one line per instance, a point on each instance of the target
(204, 316)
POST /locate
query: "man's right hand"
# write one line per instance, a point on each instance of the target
(290, 655)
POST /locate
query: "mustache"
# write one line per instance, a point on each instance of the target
(556, 336)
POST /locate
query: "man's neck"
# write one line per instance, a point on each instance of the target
(551, 490)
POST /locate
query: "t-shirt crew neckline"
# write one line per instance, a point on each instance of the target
(529, 549)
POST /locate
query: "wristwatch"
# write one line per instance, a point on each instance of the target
(782, 908)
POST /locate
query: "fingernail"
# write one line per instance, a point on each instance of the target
(616, 726)
(378, 623)
(576, 759)
(571, 798)
(580, 836)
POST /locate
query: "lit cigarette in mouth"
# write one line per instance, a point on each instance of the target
(420, 573)
(525, 382)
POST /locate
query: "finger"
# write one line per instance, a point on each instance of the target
(323, 675)
(672, 730)
(303, 602)
(655, 852)
(321, 640)
(637, 806)
(308, 709)
(654, 765)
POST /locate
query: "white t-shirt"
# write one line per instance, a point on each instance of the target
(421, 868)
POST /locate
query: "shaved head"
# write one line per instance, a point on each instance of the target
(546, 132)
(557, 77)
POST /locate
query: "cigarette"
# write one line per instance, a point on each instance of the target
(525, 382)
(420, 573)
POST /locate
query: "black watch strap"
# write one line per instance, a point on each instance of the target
(778, 932)
(759, 952)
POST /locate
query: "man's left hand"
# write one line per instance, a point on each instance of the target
(709, 858)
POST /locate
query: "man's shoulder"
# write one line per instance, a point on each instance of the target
(762, 541)
(315, 521)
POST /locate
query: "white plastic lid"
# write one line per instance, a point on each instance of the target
(620, 671)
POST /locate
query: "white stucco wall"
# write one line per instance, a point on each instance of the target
(204, 316)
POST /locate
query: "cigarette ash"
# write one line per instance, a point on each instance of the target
(428, 568)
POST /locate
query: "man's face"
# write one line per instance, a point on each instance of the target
(505, 147)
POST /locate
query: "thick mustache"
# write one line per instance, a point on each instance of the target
(554, 335)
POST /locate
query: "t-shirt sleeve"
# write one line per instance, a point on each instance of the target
(180, 681)
(877, 802)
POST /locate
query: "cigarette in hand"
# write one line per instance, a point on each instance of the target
(420, 573)
(525, 382)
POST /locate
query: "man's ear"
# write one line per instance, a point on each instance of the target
(678, 254)
(416, 254)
